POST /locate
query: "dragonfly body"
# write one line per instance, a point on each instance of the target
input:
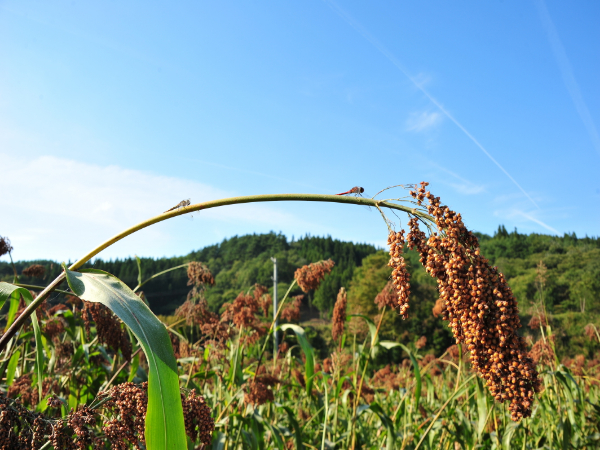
(356, 190)
(181, 204)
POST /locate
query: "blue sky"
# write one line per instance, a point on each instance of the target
(112, 112)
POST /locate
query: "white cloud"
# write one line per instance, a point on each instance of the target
(60, 208)
(421, 121)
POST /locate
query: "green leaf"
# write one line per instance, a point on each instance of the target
(417, 371)
(508, 434)
(295, 426)
(12, 312)
(389, 344)
(139, 266)
(12, 367)
(8, 291)
(567, 431)
(372, 328)
(309, 367)
(39, 354)
(12, 292)
(133, 369)
(482, 407)
(164, 420)
(387, 422)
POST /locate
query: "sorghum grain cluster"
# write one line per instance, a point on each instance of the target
(35, 270)
(339, 315)
(108, 328)
(310, 276)
(477, 302)
(400, 275)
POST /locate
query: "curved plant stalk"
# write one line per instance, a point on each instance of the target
(198, 207)
(89, 286)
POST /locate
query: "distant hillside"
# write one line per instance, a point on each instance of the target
(237, 263)
(570, 288)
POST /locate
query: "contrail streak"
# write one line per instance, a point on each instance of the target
(539, 222)
(567, 74)
(379, 46)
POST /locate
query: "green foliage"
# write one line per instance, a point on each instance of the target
(237, 263)
(571, 289)
(424, 403)
(164, 419)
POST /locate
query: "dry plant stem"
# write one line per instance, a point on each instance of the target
(198, 207)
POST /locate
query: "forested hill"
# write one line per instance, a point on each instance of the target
(237, 263)
(571, 283)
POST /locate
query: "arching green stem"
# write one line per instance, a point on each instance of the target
(199, 207)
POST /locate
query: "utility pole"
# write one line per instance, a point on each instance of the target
(275, 337)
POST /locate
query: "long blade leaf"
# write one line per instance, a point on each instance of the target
(309, 366)
(164, 420)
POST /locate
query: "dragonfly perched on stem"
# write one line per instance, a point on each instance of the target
(356, 190)
(181, 204)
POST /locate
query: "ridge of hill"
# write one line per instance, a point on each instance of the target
(569, 285)
(237, 264)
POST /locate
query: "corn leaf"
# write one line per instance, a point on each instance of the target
(12, 292)
(12, 367)
(417, 375)
(309, 366)
(164, 419)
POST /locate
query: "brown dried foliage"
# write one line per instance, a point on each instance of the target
(54, 327)
(299, 376)
(5, 246)
(242, 312)
(421, 342)
(478, 303)
(35, 270)
(386, 378)
(291, 313)
(310, 276)
(438, 308)
(258, 393)
(339, 315)
(22, 387)
(387, 297)
(263, 298)
(126, 404)
(542, 353)
(537, 321)
(199, 275)
(108, 327)
(590, 331)
(283, 348)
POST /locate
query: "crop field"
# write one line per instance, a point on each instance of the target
(94, 368)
